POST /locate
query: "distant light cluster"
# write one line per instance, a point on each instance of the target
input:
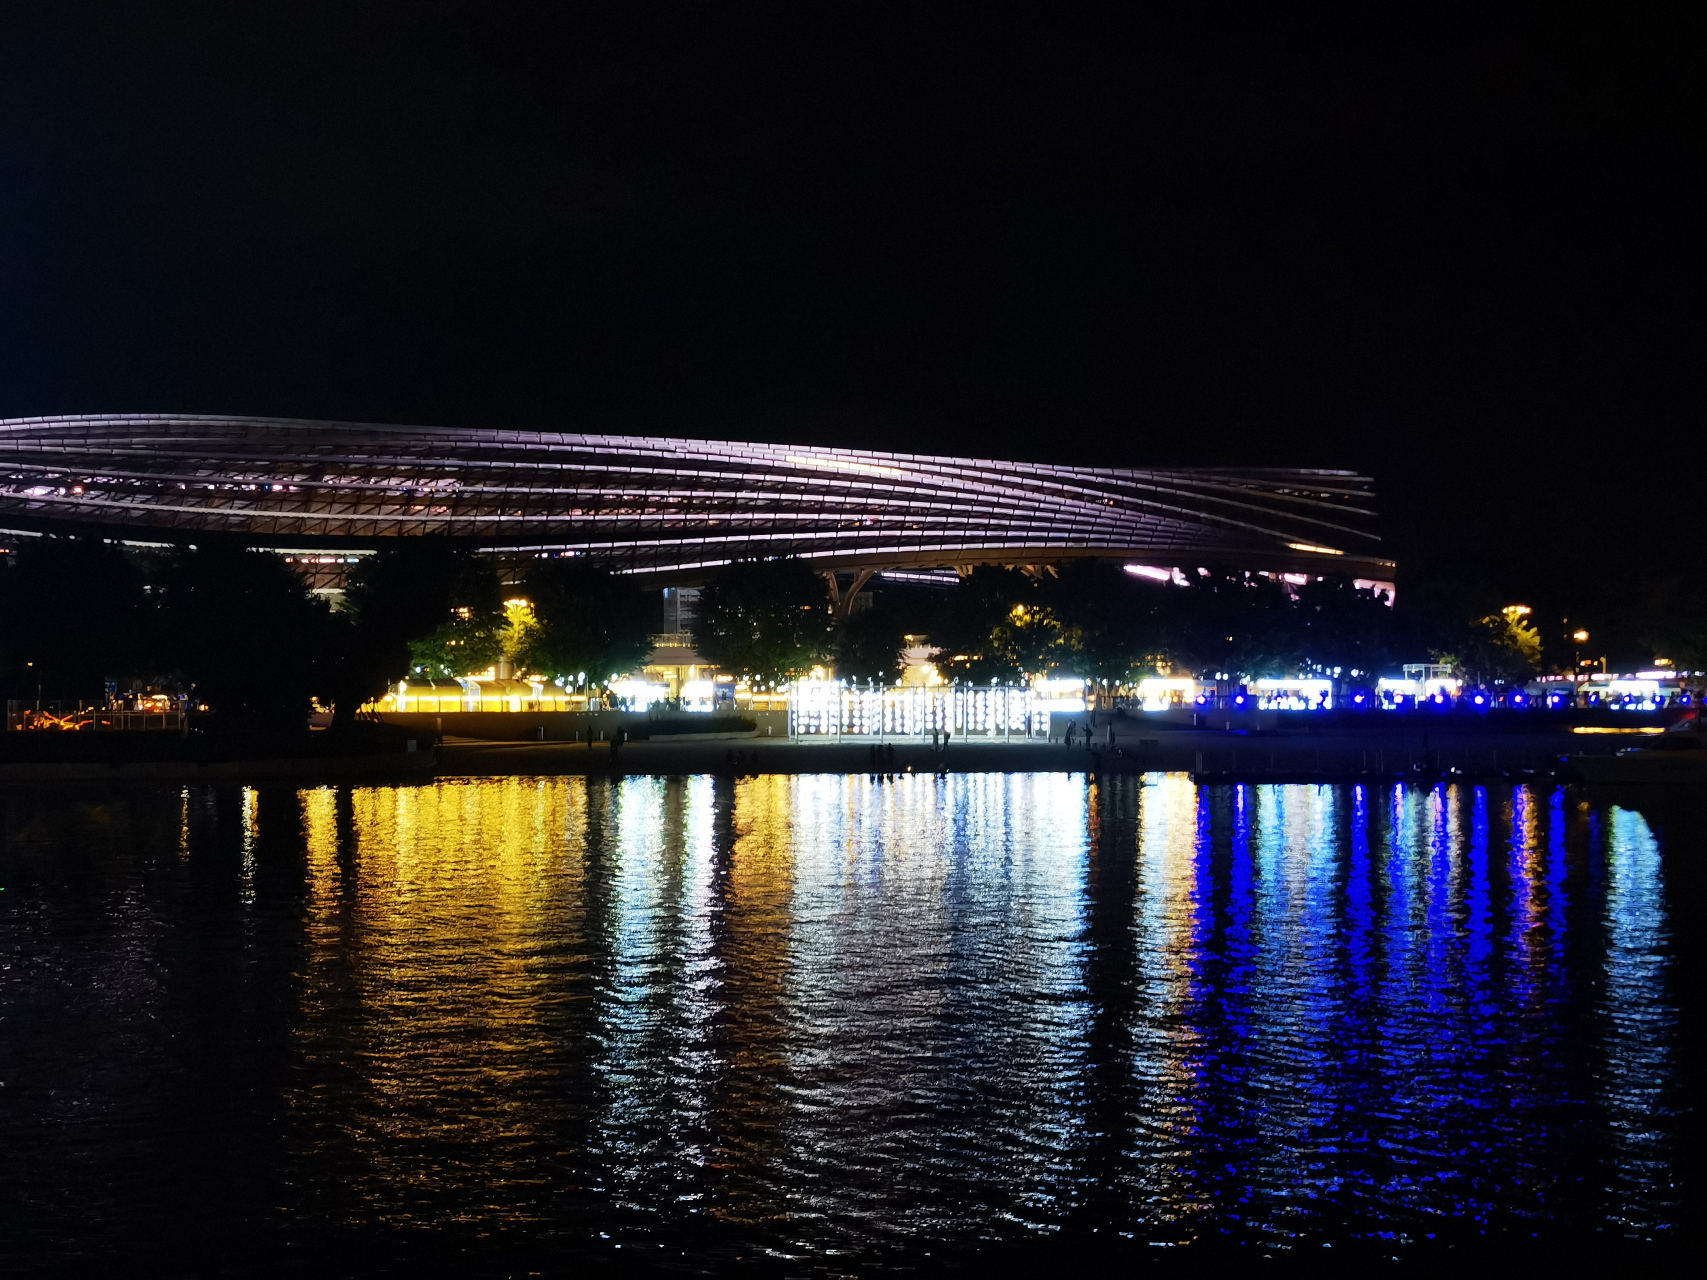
(666, 507)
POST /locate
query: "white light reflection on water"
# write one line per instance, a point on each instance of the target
(1637, 1080)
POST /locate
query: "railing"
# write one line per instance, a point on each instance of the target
(61, 716)
(673, 640)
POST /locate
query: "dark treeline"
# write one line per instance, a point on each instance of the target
(1090, 618)
(239, 631)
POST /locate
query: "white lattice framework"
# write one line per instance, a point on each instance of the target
(668, 508)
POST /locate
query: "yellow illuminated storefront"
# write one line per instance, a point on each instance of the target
(477, 693)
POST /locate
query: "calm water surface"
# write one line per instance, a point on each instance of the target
(831, 1019)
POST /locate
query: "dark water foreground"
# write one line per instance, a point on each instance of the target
(822, 1023)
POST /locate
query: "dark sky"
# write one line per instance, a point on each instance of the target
(1459, 253)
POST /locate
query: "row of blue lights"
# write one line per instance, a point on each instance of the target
(1470, 700)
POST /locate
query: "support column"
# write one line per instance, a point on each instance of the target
(841, 602)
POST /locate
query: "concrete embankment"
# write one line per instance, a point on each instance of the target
(303, 771)
(253, 754)
(1208, 754)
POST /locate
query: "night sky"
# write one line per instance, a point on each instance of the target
(1460, 254)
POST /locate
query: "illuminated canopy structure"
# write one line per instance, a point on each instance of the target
(672, 510)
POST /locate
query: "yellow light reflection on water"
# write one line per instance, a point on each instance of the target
(429, 981)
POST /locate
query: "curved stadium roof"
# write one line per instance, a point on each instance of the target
(666, 507)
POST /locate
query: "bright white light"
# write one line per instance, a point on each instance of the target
(639, 692)
(1061, 687)
(697, 690)
(842, 464)
(1044, 706)
(1158, 694)
(1150, 571)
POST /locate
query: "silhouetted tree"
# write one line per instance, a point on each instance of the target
(426, 602)
(868, 644)
(1500, 648)
(242, 631)
(1110, 618)
(1029, 641)
(588, 621)
(964, 631)
(72, 615)
(1340, 626)
(1673, 621)
(764, 619)
(1439, 597)
(1239, 623)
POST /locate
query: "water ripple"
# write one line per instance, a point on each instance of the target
(821, 1016)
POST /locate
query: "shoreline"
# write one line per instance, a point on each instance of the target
(1208, 755)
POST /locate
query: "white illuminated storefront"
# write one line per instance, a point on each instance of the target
(639, 694)
(1421, 683)
(1642, 692)
(1159, 694)
(1293, 695)
(1060, 693)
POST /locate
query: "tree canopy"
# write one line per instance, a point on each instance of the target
(1502, 646)
(1110, 620)
(426, 605)
(241, 631)
(768, 620)
(868, 644)
(587, 622)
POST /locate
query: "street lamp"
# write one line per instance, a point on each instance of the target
(1581, 638)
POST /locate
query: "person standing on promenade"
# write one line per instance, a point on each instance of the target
(1072, 728)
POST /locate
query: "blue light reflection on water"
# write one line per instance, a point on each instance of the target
(824, 1014)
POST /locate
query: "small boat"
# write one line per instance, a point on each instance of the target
(1679, 755)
